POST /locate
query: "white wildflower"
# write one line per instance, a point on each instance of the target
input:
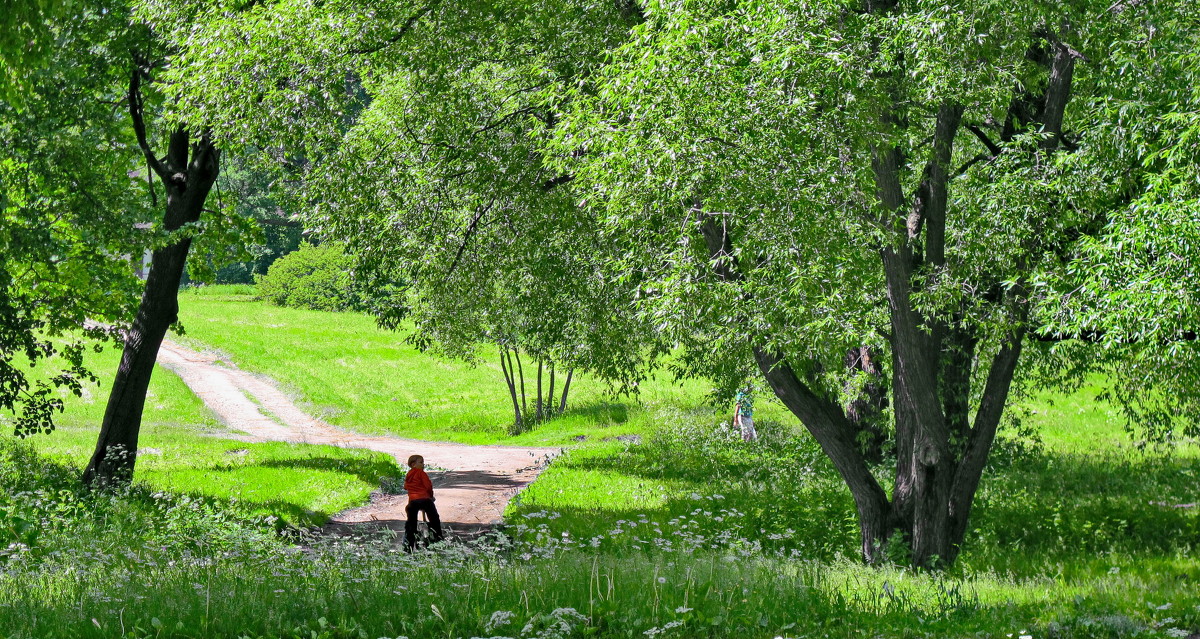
(499, 618)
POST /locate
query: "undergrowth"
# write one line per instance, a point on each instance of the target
(729, 539)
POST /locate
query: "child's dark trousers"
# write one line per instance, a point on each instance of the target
(410, 527)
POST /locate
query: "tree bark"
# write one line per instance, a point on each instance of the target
(512, 390)
(834, 433)
(823, 418)
(187, 186)
(521, 372)
(562, 405)
(538, 403)
(866, 411)
(550, 393)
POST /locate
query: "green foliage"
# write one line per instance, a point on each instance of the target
(250, 190)
(1133, 285)
(315, 277)
(491, 249)
(67, 205)
(26, 42)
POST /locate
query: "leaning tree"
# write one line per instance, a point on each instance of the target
(180, 162)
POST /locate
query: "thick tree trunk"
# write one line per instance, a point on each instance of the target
(187, 186)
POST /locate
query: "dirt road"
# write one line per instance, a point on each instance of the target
(472, 491)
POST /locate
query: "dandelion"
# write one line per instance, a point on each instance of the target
(662, 580)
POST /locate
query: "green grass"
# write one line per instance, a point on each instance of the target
(688, 532)
(141, 565)
(184, 449)
(359, 377)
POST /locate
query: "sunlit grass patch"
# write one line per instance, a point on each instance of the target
(342, 367)
(184, 449)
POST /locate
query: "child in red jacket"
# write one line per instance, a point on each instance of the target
(420, 497)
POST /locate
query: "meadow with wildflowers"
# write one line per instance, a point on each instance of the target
(664, 524)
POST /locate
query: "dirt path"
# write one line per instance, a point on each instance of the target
(472, 491)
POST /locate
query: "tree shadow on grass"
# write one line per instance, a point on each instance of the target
(1052, 506)
(1064, 505)
(369, 471)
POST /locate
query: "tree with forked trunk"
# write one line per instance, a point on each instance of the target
(901, 178)
(889, 178)
(187, 173)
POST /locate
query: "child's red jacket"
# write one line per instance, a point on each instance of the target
(417, 483)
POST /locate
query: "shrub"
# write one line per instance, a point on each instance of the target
(314, 277)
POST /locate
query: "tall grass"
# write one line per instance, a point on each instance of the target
(683, 531)
(141, 564)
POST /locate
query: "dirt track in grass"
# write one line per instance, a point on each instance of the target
(473, 484)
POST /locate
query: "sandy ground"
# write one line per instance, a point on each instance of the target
(472, 484)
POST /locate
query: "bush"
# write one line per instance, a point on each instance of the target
(314, 277)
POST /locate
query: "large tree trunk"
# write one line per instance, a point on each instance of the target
(187, 186)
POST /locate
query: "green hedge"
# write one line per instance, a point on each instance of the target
(313, 277)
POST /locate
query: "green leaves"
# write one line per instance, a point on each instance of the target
(68, 209)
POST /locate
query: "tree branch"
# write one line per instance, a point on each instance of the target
(1058, 91)
(139, 124)
(470, 232)
(933, 209)
(991, 146)
(396, 37)
(549, 185)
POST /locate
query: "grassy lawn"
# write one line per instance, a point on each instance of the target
(359, 377)
(687, 532)
(183, 449)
